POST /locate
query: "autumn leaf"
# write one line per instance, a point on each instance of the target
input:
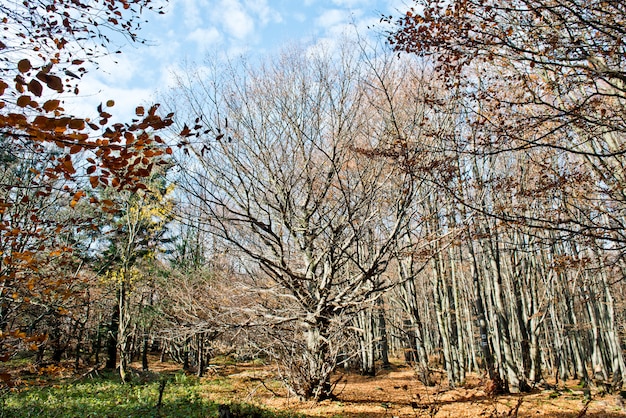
(69, 167)
(23, 101)
(35, 87)
(77, 196)
(78, 124)
(52, 81)
(24, 65)
(51, 105)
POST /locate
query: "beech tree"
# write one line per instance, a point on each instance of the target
(39, 269)
(536, 74)
(45, 48)
(282, 182)
(539, 155)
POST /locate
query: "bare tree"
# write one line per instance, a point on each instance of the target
(283, 181)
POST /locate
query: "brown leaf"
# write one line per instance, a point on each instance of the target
(78, 124)
(35, 87)
(93, 180)
(24, 65)
(23, 101)
(51, 105)
(69, 167)
(54, 82)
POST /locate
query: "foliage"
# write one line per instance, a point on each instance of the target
(535, 76)
(50, 158)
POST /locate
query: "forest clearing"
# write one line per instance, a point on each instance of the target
(452, 193)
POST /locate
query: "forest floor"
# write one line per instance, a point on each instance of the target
(396, 392)
(393, 392)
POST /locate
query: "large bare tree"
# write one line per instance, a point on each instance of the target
(284, 181)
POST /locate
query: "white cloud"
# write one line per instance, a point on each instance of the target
(235, 20)
(94, 91)
(351, 3)
(192, 17)
(265, 13)
(396, 7)
(117, 68)
(332, 17)
(205, 38)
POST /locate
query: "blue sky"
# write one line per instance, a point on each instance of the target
(192, 28)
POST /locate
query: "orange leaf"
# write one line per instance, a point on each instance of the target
(69, 167)
(94, 181)
(77, 196)
(51, 105)
(75, 149)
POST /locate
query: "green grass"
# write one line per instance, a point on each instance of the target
(105, 396)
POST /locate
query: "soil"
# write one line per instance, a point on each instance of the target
(396, 392)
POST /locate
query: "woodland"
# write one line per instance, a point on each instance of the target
(453, 196)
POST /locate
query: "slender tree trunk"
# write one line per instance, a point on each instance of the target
(144, 352)
(383, 344)
(112, 334)
(123, 325)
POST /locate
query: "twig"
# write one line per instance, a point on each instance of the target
(583, 411)
(265, 386)
(93, 369)
(515, 410)
(162, 384)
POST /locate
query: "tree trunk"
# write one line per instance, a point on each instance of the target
(112, 334)
(316, 384)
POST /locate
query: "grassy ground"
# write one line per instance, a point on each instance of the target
(56, 392)
(253, 390)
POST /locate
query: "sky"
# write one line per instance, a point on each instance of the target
(190, 29)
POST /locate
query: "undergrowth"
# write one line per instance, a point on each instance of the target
(106, 396)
